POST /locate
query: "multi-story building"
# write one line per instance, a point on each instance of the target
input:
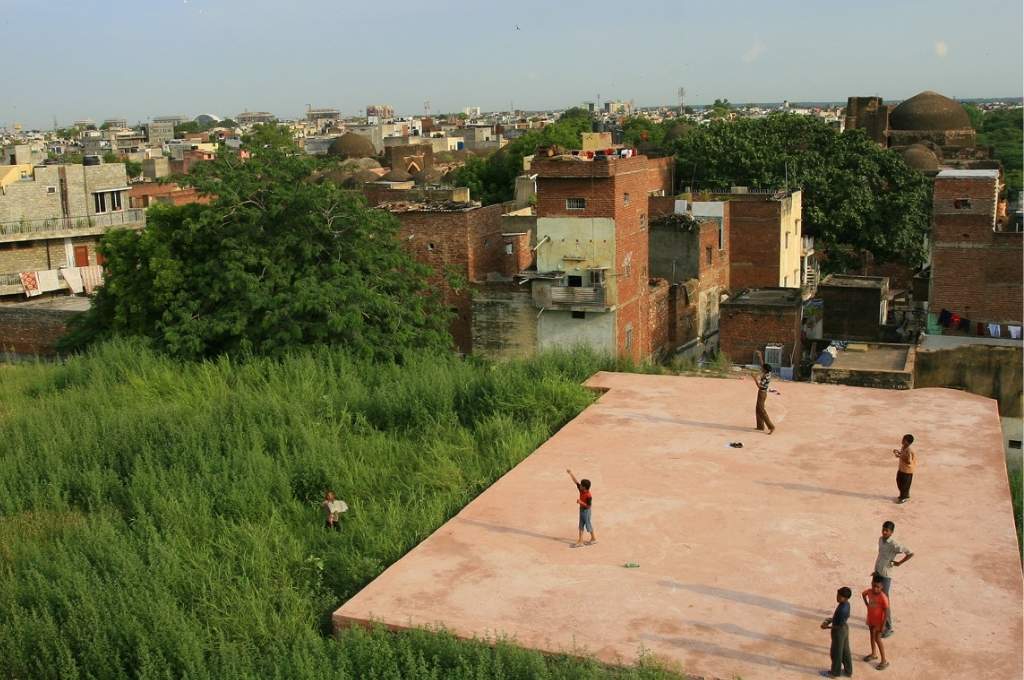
(591, 283)
(52, 216)
(254, 117)
(378, 113)
(159, 132)
(766, 238)
(31, 153)
(976, 258)
(173, 120)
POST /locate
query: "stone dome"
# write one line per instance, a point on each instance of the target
(929, 111)
(397, 174)
(428, 176)
(920, 157)
(364, 176)
(351, 145)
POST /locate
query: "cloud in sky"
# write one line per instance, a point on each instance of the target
(755, 52)
(941, 48)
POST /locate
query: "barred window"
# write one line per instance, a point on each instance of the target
(575, 204)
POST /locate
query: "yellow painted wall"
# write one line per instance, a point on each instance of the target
(12, 173)
(790, 240)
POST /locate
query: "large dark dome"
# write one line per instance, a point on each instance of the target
(920, 157)
(929, 111)
(351, 145)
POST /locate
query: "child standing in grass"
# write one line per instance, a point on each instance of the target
(332, 510)
(585, 501)
(877, 604)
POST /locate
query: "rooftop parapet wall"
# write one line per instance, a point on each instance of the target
(574, 166)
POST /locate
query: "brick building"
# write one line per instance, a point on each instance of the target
(53, 216)
(766, 239)
(765, 320)
(145, 194)
(976, 271)
(463, 238)
(689, 251)
(592, 284)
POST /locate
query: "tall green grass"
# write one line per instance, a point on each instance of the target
(160, 519)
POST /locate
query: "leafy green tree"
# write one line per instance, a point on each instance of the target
(132, 168)
(856, 195)
(721, 108)
(276, 261)
(1003, 130)
(111, 157)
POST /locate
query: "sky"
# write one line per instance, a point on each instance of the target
(144, 58)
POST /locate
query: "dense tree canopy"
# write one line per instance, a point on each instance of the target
(856, 195)
(1003, 130)
(492, 179)
(275, 262)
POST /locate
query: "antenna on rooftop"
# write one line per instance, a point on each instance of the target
(426, 108)
(682, 96)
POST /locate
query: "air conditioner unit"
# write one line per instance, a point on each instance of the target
(773, 356)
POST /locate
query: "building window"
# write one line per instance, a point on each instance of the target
(51, 190)
(575, 281)
(961, 203)
(115, 200)
(643, 220)
(625, 198)
(1015, 443)
(508, 249)
(721, 235)
(629, 337)
(579, 315)
(597, 277)
(431, 247)
(785, 282)
(575, 204)
(707, 255)
(787, 240)
(101, 202)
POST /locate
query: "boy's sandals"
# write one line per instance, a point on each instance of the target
(594, 542)
(882, 666)
(870, 657)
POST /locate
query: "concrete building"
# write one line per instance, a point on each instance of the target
(762, 322)
(54, 217)
(30, 153)
(855, 307)
(591, 282)
(976, 259)
(323, 114)
(378, 113)
(159, 133)
(173, 120)
(765, 239)
(255, 117)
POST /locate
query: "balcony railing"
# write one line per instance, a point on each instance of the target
(577, 296)
(130, 217)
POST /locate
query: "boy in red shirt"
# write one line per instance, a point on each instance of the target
(877, 603)
(585, 501)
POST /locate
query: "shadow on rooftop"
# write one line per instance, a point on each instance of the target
(748, 598)
(733, 629)
(678, 421)
(511, 530)
(789, 486)
(711, 649)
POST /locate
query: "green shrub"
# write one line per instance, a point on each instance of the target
(159, 519)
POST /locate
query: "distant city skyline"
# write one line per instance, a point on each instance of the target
(142, 60)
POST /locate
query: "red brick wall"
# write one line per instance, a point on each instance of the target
(755, 226)
(662, 174)
(659, 315)
(976, 272)
(440, 239)
(746, 328)
(487, 246)
(31, 330)
(717, 274)
(631, 252)
(552, 193)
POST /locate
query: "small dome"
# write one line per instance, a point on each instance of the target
(364, 176)
(366, 163)
(929, 111)
(351, 145)
(397, 174)
(920, 157)
(428, 176)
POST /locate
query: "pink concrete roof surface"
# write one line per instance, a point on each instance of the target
(740, 550)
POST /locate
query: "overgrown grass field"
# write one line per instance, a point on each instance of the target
(160, 519)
